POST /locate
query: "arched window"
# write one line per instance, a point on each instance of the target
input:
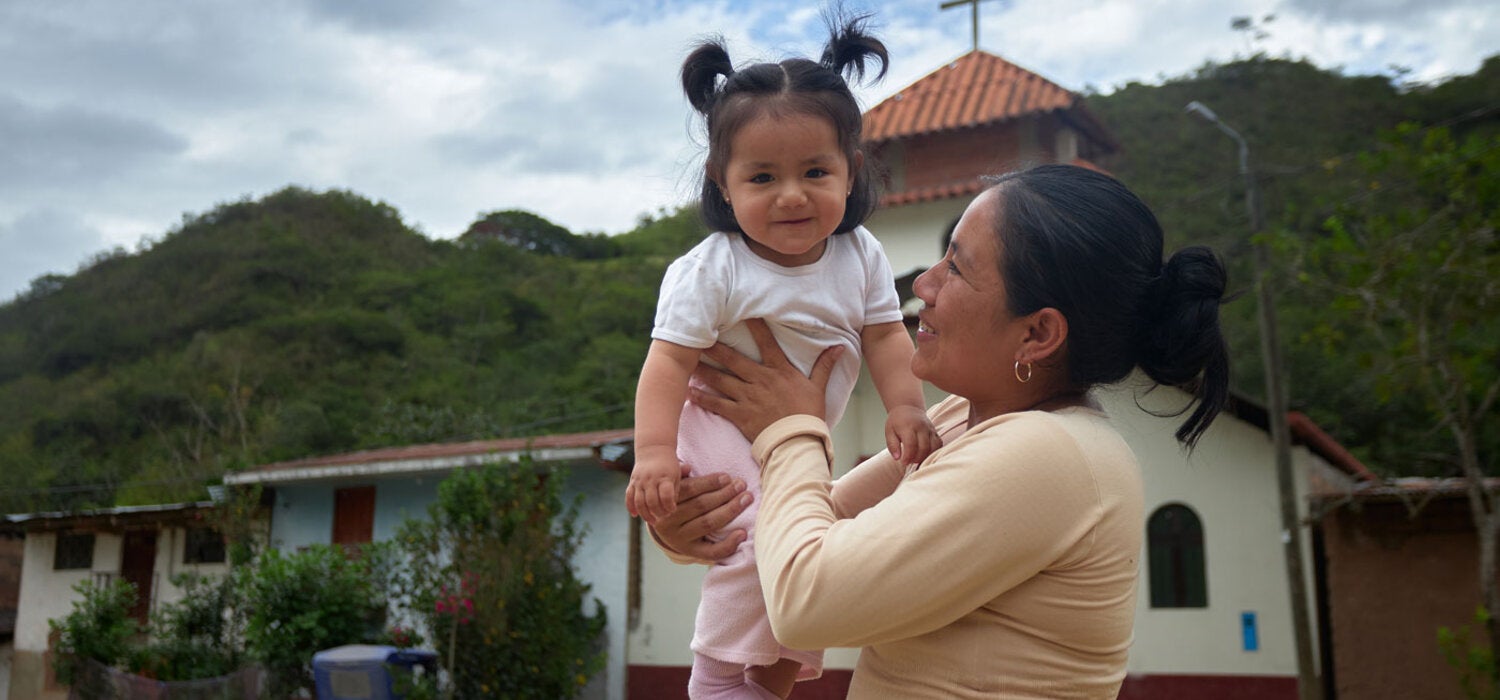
(1174, 551)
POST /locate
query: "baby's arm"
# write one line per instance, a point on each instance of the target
(652, 492)
(909, 434)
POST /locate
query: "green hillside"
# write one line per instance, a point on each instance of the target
(304, 324)
(308, 323)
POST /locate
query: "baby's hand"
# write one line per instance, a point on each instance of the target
(652, 492)
(909, 435)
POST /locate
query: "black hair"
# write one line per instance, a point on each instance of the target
(1079, 241)
(793, 86)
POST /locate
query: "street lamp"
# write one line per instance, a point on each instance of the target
(1276, 409)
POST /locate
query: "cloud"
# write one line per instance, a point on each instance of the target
(1370, 11)
(43, 241)
(72, 145)
(125, 115)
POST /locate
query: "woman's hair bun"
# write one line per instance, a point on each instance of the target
(850, 47)
(701, 71)
(1183, 343)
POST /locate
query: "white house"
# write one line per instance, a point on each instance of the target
(146, 545)
(364, 496)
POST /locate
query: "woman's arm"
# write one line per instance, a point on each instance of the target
(652, 492)
(980, 517)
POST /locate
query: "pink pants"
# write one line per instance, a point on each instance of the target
(731, 625)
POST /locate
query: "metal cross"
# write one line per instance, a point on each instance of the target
(974, 9)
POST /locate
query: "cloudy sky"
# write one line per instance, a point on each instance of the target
(119, 116)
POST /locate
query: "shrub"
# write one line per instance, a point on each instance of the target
(1475, 663)
(491, 575)
(196, 637)
(99, 628)
(299, 604)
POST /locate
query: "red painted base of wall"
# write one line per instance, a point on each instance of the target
(1180, 687)
(670, 683)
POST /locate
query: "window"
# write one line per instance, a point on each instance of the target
(74, 551)
(1174, 550)
(203, 546)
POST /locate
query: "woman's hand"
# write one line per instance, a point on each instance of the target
(705, 504)
(754, 395)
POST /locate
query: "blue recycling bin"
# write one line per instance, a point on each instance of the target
(361, 671)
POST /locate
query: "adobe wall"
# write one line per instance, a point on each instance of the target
(1393, 579)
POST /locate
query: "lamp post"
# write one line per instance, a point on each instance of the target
(1308, 687)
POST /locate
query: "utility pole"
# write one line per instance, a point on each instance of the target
(974, 14)
(1308, 685)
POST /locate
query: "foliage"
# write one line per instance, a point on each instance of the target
(414, 683)
(1409, 268)
(1474, 663)
(317, 598)
(533, 233)
(490, 575)
(197, 637)
(240, 518)
(99, 627)
(300, 324)
(1305, 127)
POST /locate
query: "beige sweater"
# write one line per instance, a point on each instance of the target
(1005, 567)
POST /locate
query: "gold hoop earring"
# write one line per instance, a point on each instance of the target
(1020, 378)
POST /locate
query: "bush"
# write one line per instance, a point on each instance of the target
(99, 628)
(490, 573)
(302, 603)
(196, 637)
(1475, 663)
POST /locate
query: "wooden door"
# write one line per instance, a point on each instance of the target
(138, 566)
(353, 515)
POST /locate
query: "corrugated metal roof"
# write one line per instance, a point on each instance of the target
(439, 456)
(976, 89)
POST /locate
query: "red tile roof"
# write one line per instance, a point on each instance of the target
(964, 188)
(976, 89)
(1308, 433)
(934, 193)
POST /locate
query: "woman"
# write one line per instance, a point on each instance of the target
(1005, 565)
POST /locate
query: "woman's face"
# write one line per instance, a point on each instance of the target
(966, 339)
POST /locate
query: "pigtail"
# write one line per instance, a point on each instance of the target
(701, 71)
(849, 47)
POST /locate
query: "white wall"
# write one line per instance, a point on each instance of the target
(47, 594)
(912, 235)
(1230, 483)
(603, 560)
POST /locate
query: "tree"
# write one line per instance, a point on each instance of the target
(490, 573)
(1413, 269)
(528, 231)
